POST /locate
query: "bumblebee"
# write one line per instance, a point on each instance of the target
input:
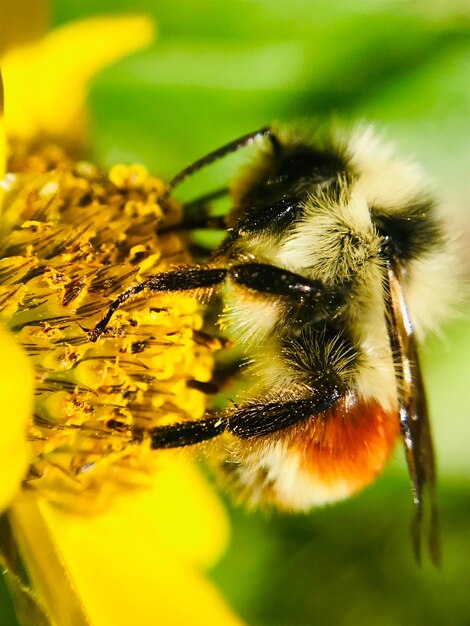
(334, 264)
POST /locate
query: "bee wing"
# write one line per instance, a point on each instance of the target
(414, 418)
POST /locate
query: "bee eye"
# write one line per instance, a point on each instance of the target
(387, 247)
(408, 232)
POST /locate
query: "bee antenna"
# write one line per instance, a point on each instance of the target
(233, 146)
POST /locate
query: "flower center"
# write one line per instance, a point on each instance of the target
(72, 239)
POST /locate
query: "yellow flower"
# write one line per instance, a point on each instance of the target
(110, 531)
(16, 381)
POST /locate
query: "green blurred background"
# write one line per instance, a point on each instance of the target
(221, 69)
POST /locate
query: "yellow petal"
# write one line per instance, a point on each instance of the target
(16, 406)
(2, 138)
(45, 82)
(119, 569)
(22, 21)
(196, 523)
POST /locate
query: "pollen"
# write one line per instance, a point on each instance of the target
(72, 239)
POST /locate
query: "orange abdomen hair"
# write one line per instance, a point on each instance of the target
(326, 458)
(347, 447)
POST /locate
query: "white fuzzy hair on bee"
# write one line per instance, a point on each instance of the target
(334, 262)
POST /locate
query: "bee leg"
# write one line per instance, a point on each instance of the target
(188, 433)
(179, 280)
(259, 419)
(252, 420)
(300, 292)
